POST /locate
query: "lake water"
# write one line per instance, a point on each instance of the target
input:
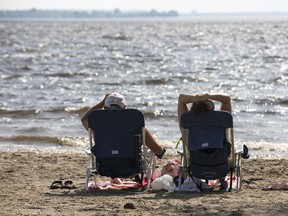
(52, 71)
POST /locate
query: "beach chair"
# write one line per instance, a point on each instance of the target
(208, 149)
(117, 146)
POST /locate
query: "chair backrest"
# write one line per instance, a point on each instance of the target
(116, 132)
(207, 130)
(117, 137)
(207, 144)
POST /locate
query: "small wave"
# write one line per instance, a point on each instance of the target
(25, 113)
(66, 109)
(109, 84)
(19, 113)
(71, 110)
(162, 81)
(272, 101)
(256, 111)
(274, 57)
(267, 149)
(10, 77)
(116, 37)
(42, 140)
(267, 146)
(210, 69)
(62, 74)
(284, 102)
(76, 110)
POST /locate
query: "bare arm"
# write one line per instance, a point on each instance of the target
(224, 99)
(84, 118)
(185, 99)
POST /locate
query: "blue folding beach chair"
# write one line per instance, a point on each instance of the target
(209, 151)
(117, 146)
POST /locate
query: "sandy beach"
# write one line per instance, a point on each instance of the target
(26, 177)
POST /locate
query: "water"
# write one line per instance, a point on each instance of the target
(53, 70)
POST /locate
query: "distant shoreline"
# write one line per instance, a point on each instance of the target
(199, 18)
(35, 13)
(95, 14)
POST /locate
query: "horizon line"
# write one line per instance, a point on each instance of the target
(135, 10)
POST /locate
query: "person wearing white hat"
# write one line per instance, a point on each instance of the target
(115, 100)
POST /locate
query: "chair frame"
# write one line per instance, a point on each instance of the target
(234, 161)
(147, 166)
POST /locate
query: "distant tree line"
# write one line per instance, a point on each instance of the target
(35, 13)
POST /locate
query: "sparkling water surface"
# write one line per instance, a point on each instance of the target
(53, 70)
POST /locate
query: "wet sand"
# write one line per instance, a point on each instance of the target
(26, 177)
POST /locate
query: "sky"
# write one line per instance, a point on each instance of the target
(182, 6)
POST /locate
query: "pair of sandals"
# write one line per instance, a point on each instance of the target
(63, 185)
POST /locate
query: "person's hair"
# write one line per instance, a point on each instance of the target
(114, 107)
(199, 107)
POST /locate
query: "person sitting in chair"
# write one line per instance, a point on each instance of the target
(203, 102)
(117, 101)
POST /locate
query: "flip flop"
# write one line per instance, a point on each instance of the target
(56, 184)
(68, 185)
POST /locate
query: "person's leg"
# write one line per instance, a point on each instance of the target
(116, 181)
(153, 144)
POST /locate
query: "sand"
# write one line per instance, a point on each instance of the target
(26, 177)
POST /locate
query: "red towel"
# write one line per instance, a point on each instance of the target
(107, 185)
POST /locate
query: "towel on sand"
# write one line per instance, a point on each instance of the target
(107, 185)
(276, 186)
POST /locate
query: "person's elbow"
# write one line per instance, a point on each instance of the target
(180, 97)
(227, 98)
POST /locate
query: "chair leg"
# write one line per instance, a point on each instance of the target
(151, 167)
(239, 177)
(238, 173)
(231, 179)
(238, 183)
(181, 176)
(88, 172)
(182, 169)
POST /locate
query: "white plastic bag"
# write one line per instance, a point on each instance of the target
(164, 182)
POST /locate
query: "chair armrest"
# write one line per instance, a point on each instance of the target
(88, 150)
